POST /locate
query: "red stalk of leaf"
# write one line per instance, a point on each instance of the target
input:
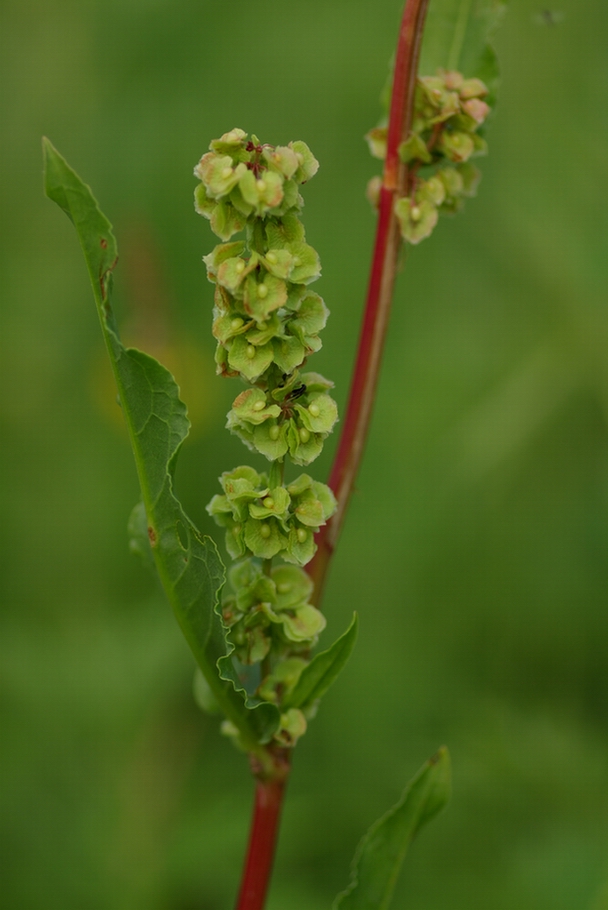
(269, 790)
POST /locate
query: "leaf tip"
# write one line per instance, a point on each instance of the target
(442, 754)
(48, 149)
(50, 157)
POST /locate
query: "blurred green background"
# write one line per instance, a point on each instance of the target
(477, 540)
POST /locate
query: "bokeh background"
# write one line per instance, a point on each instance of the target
(477, 542)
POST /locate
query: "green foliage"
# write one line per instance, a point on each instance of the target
(458, 36)
(188, 565)
(492, 582)
(268, 616)
(317, 676)
(380, 854)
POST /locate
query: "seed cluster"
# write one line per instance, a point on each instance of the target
(266, 323)
(449, 111)
(266, 521)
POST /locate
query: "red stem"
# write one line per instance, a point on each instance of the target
(270, 785)
(380, 291)
(269, 792)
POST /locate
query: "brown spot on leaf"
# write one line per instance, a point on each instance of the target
(242, 398)
(103, 278)
(152, 535)
(103, 243)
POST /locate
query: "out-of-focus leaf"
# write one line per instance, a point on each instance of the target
(189, 565)
(324, 668)
(458, 35)
(382, 850)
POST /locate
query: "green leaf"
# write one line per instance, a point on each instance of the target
(324, 668)
(458, 35)
(382, 850)
(189, 565)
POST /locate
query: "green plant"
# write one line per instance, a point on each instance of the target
(253, 650)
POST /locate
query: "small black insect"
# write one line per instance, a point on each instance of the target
(296, 393)
(285, 405)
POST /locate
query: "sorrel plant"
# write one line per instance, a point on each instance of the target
(253, 639)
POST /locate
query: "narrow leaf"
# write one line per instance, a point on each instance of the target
(323, 669)
(382, 850)
(189, 566)
(458, 35)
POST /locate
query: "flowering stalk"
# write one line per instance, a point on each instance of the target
(259, 304)
(267, 323)
(431, 134)
(264, 337)
(380, 289)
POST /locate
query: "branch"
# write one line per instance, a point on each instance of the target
(380, 291)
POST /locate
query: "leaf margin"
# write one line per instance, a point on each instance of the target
(430, 789)
(323, 670)
(64, 187)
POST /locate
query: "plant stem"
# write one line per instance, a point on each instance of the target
(380, 291)
(269, 792)
(270, 789)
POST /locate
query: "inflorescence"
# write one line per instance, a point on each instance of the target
(449, 111)
(266, 323)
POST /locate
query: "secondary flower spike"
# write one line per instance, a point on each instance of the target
(449, 112)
